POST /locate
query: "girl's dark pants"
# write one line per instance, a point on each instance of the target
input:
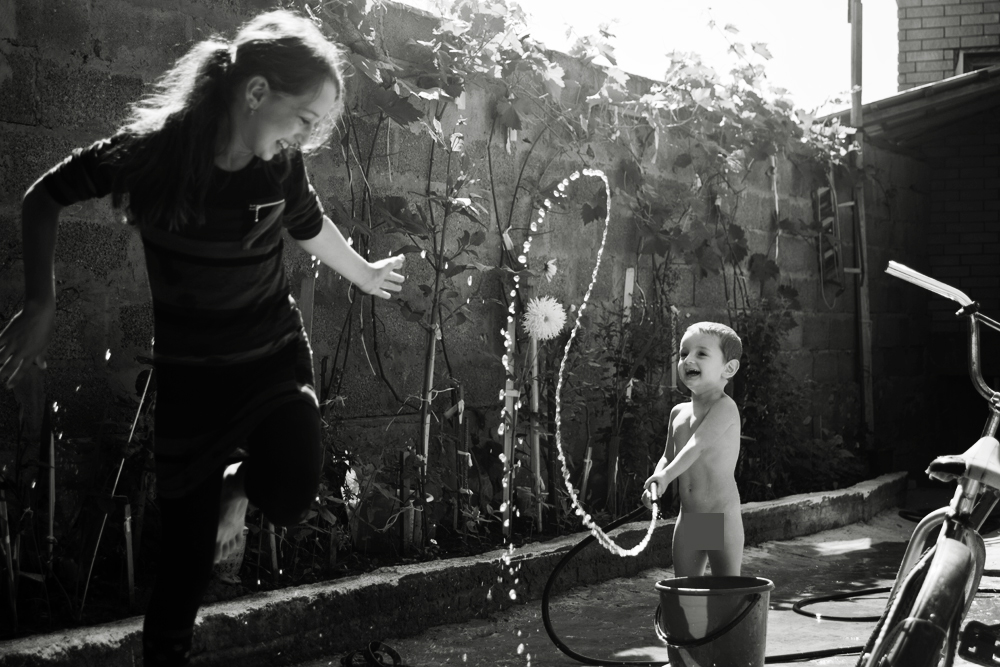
(282, 476)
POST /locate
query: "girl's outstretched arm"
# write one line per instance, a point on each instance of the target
(378, 278)
(24, 339)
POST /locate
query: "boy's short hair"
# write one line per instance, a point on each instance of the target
(729, 341)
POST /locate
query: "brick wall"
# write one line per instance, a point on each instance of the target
(964, 222)
(933, 32)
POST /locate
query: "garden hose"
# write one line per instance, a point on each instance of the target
(771, 659)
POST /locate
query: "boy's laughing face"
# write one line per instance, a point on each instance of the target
(701, 364)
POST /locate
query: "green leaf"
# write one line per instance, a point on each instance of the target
(507, 115)
(395, 107)
(328, 516)
(762, 268)
(454, 270)
(760, 48)
(407, 249)
(409, 314)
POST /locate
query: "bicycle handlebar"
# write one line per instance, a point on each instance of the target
(969, 309)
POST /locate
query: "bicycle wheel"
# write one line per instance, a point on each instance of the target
(925, 637)
(897, 606)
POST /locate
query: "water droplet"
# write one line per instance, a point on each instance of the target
(107, 355)
(520, 647)
(489, 595)
(470, 281)
(522, 259)
(513, 594)
(423, 254)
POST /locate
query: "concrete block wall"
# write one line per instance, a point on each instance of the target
(54, 55)
(932, 33)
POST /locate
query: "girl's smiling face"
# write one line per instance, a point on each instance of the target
(267, 122)
(700, 362)
(281, 121)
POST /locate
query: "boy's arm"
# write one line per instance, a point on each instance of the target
(661, 465)
(668, 447)
(330, 247)
(721, 418)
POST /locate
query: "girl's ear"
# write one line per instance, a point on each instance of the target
(731, 367)
(257, 88)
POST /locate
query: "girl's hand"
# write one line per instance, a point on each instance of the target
(384, 278)
(24, 340)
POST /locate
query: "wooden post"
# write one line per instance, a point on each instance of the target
(128, 554)
(536, 449)
(861, 237)
(272, 542)
(588, 463)
(51, 537)
(509, 419)
(8, 558)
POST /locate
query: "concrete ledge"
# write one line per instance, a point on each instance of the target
(333, 618)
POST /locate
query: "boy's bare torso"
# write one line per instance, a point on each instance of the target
(709, 485)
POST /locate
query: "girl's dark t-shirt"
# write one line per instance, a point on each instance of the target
(220, 291)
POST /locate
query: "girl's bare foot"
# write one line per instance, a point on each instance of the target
(232, 512)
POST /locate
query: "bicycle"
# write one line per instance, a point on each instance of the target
(938, 579)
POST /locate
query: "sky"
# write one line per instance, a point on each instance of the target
(810, 40)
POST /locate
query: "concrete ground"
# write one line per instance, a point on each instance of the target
(614, 619)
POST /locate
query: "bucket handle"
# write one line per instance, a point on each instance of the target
(692, 643)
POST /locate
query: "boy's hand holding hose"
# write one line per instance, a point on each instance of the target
(650, 494)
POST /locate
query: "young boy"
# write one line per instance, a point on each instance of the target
(703, 444)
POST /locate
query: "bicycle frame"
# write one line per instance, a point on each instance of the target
(964, 513)
(970, 506)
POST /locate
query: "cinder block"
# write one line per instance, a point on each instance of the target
(826, 366)
(18, 102)
(815, 332)
(843, 333)
(139, 40)
(85, 99)
(710, 292)
(27, 154)
(61, 24)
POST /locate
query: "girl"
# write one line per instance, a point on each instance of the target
(209, 169)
